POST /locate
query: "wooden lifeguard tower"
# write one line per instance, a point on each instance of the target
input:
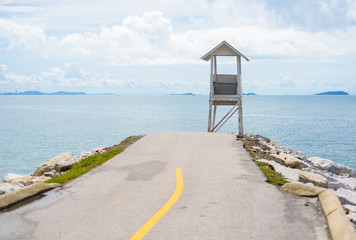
(225, 89)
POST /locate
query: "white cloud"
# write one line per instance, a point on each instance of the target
(68, 76)
(21, 35)
(21, 9)
(150, 39)
(94, 36)
(72, 76)
(3, 68)
(351, 9)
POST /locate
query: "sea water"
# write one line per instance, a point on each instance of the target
(35, 128)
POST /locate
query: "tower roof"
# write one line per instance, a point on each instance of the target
(223, 49)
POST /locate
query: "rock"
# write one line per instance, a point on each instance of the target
(257, 148)
(273, 151)
(22, 180)
(41, 179)
(336, 185)
(273, 144)
(58, 163)
(65, 162)
(44, 167)
(350, 212)
(256, 137)
(288, 161)
(330, 166)
(18, 196)
(288, 173)
(10, 176)
(350, 182)
(302, 189)
(2, 192)
(291, 152)
(352, 217)
(346, 196)
(98, 150)
(28, 183)
(328, 175)
(84, 154)
(349, 208)
(334, 181)
(315, 179)
(49, 174)
(9, 187)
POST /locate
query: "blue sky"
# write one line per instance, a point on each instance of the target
(154, 47)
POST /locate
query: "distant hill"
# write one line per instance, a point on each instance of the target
(67, 93)
(42, 93)
(332, 93)
(185, 94)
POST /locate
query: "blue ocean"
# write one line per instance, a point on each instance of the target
(35, 128)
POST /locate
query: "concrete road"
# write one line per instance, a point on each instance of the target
(225, 196)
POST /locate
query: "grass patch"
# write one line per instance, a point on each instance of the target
(272, 176)
(84, 166)
(253, 154)
(267, 169)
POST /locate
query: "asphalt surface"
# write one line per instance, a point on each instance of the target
(225, 196)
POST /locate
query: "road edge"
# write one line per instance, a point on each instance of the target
(339, 225)
(23, 195)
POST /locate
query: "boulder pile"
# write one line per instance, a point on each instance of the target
(54, 166)
(295, 166)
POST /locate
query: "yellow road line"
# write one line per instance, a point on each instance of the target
(150, 223)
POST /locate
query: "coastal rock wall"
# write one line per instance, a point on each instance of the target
(54, 166)
(313, 171)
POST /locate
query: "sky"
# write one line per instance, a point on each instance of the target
(154, 47)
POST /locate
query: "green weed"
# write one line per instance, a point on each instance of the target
(272, 176)
(84, 166)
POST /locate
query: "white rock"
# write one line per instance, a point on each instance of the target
(28, 183)
(256, 137)
(40, 179)
(336, 185)
(346, 196)
(351, 208)
(22, 180)
(84, 154)
(350, 182)
(316, 179)
(289, 173)
(273, 151)
(291, 152)
(257, 148)
(9, 187)
(10, 176)
(49, 174)
(352, 212)
(288, 161)
(333, 180)
(58, 163)
(330, 166)
(98, 150)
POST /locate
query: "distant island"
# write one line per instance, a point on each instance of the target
(249, 94)
(185, 94)
(332, 93)
(42, 93)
